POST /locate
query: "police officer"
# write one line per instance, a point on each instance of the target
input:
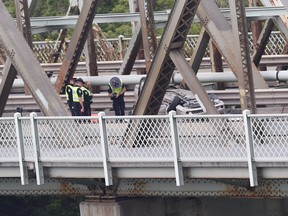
(77, 97)
(87, 99)
(69, 95)
(116, 92)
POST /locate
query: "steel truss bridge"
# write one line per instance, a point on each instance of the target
(233, 155)
(144, 154)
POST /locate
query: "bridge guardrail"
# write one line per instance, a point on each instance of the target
(170, 139)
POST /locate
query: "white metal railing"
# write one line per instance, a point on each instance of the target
(170, 138)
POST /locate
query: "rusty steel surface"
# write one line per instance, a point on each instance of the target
(148, 187)
(162, 67)
(245, 76)
(192, 81)
(28, 67)
(144, 31)
(132, 51)
(10, 71)
(262, 41)
(12, 186)
(199, 50)
(151, 25)
(9, 74)
(203, 187)
(221, 32)
(76, 45)
(56, 55)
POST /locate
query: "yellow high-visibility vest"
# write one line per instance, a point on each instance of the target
(116, 90)
(67, 95)
(75, 95)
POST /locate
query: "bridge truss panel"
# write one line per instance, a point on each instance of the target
(162, 67)
(22, 10)
(221, 32)
(132, 51)
(23, 59)
(77, 43)
(245, 78)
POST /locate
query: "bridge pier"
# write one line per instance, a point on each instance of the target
(129, 207)
(99, 208)
(186, 206)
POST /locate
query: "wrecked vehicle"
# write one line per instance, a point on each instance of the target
(182, 101)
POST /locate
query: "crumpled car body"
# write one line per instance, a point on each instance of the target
(182, 101)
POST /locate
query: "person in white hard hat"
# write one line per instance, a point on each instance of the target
(116, 92)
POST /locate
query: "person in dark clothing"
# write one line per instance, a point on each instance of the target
(87, 99)
(69, 95)
(116, 92)
(77, 98)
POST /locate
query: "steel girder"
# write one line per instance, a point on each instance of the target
(151, 25)
(144, 19)
(22, 10)
(281, 21)
(77, 43)
(23, 59)
(262, 41)
(221, 33)
(284, 18)
(199, 50)
(141, 33)
(9, 70)
(70, 21)
(245, 78)
(192, 81)
(148, 187)
(169, 50)
(132, 51)
(8, 77)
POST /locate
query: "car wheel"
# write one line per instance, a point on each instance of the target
(141, 84)
(174, 103)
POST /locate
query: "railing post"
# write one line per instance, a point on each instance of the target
(176, 152)
(122, 49)
(35, 137)
(21, 152)
(250, 151)
(104, 142)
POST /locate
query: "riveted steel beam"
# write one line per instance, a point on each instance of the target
(221, 33)
(192, 81)
(262, 41)
(241, 43)
(10, 72)
(26, 64)
(144, 31)
(202, 187)
(151, 25)
(132, 51)
(199, 50)
(77, 43)
(162, 67)
(284, 18)
(277, 3)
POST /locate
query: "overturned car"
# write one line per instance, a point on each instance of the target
(182, 101)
